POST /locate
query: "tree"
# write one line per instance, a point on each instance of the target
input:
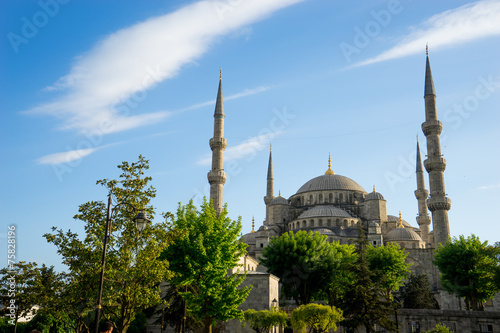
(133, 273)
(469, 268)
(439, 329)
(365, 302)
(174, 313)
(201, 257)
(416, 293)
(262, 321)
(303, 261)
(340, 277)
(388, 265)
(18, 290)
(317, 317)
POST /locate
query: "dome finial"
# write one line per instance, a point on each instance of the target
(253, 224)
(220, 73)
(427, 49)
(271, 146)
(329, 171)
(279, 193)
(400, 222)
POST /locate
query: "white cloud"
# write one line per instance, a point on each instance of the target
(452, 27)
(106, 84)
(488, 187)
(65, 157)
(248, 148)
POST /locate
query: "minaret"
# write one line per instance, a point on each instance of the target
(435, 164)
(423, 218)
(270, 184)
(270, 179)
(217, 176)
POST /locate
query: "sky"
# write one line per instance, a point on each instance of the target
(86, 85)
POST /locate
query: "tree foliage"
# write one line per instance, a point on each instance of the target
(387, 262)
(262, 321)
(416, 293)
(201, 258)
(316, 318)
(439, 329)
(132, 274)
(469, 268)
(365, 301)
(303, 261)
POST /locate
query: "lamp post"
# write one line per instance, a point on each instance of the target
(141, 220)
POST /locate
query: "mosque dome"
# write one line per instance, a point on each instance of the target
(374, 196)
(249, 238)
(279, 201)
(324, 211)
(402, 234)
(330, 182)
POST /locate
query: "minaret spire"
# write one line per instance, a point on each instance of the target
(217, 176)
(438, 203)
(270, 185)
(423, 218)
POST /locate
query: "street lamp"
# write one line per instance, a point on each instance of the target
(274, 303)
(141, 221)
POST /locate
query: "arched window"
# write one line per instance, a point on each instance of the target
(345, 223)
(320, 223)
(341, 197)
(329, 223)
(304, 224)
(330, 198)
(311, 199)
(311, 223)
(320, 198)
(350, 197)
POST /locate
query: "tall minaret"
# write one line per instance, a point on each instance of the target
(270, 184)
(423, 218)
(217, 176)
(435, 164)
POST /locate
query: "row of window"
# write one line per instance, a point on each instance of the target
(319, 223)
(332, 198)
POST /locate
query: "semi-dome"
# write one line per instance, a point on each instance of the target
(330, 182)
(279, 201)
(402, 234)
(324, 211)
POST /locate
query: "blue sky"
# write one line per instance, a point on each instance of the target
(88, 84)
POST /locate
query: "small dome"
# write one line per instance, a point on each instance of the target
(248, 238)
(324, 211)
(373, 224)
(402, 234)
(374, 196)
(279, 201)
(392, 218)
(263, 227)
(330, 182)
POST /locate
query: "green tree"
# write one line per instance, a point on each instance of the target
(174, 312)
(340, 277)
(439, 329)
(303, 261)
(133, 273)
(18, 290)
(365, 302)
(416, 293)
(316, 317)
(388, 265)
(201, 257)
(469, 268)
(263, 320)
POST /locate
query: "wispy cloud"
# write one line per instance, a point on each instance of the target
(247, 148)
(488, 187)
(244, 93)
(105, 85)
(452, 27)
(65, 157)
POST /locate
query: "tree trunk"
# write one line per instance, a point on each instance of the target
(208, 324)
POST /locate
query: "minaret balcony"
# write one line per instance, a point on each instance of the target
(218, 143)
(432, 127)
(423, 220)
(438, 203)
(217, 177)
(421, 194)
(435, 164)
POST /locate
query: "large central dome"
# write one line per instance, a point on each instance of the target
(330, 182)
